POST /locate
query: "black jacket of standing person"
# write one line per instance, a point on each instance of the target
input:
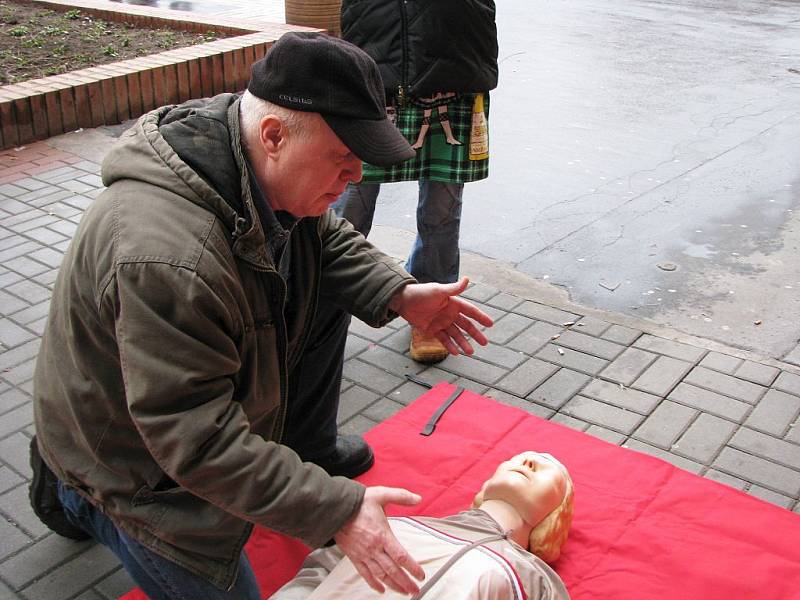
(426, 46)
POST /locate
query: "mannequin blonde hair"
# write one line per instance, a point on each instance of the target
(550, 533)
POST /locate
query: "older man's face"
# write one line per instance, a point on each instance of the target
(310, 172)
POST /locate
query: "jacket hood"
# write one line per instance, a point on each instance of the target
(194, 151)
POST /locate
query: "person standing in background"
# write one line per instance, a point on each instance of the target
(438, 61)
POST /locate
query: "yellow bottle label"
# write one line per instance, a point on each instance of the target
(479, 134)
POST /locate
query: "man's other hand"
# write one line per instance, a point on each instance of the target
(373, 549)
(436, 309)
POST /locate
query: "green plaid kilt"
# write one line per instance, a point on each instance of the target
(436, 160)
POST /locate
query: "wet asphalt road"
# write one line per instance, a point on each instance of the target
(628, 134)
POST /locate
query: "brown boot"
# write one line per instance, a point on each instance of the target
(426, 348)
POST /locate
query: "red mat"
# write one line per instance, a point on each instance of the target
(642, 528)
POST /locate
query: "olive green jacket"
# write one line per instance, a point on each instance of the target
(160, 388)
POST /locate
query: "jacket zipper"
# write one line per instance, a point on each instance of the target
(401, 88)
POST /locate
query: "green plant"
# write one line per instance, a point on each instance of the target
(53, 30)
(18, 31)
(167, 39)
(210, 36)
(73, 14)
(110, 51)
(33, 42)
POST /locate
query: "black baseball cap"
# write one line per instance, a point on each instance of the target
(315, 72)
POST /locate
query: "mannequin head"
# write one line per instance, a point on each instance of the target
(539, 489)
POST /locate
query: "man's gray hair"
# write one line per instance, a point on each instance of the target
(252, 109)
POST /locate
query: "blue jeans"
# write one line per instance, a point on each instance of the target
(435, 255)
(158, 577)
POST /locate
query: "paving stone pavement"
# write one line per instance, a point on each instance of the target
(715, 414)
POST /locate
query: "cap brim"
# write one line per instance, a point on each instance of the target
(375, 142)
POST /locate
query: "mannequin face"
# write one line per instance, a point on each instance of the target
(533, 483)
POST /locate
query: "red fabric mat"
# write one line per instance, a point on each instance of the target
(642, 528)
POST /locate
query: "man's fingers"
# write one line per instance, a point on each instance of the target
(458, 337)
(368, 576)
(454, 289)
(400, 556)
(443, 337)
(471, 330)
(398, 496)
(393, 576)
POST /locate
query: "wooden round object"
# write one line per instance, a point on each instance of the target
(323, 14)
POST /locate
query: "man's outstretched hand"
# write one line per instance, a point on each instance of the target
(436, 309)
(373, 549)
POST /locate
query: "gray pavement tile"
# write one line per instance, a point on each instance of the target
(55, 196)
(76, 186)
(66, 227)
(46, 236)
(793, 357)
(38, 326)
(14, 451)
(92, 179)
(757, 373)
(661, 376)
(623, 397)
(8, 479)
(12, 334)
(758, 470)
(433, 375)
(88, 166)
(704, 438)
(729, 480)
(58, 173)
(91, 594)
(6, 593)
(390, 361)
(526, 377)
(507, 327)
(27, 387)
(721, 362)
(12, 539)
(504, 301)
(12, 241)
(794, 433)
(557, 389)
(771, 497)
(570, 422)
(31, 313)
(16, 419)
(471, 368)
(11, 206)
(517, 402)
(589, 344)
(115, 585)
(370, 376)
(354, 345)
(592, 326)
(82, 201)
(534, 337)
(25, 266)
(710, 402)
(60, 209)
(20, 219)
(399, 341)
(788, 382)
(7, 254)
(382, 410)
(678, 461)
(12, 398)
(52, 258)
(20, 373)
(480, 292)
(358, 425)
(9, 277)
(12, 190)
(48, 278)
(494, 313)
(774, 413)
(572, 359)
(31, 196)
(73, 576)
(542, 312)
(30, 291)
(499, 355)
(30, 183)
(363, 330)
(10, 304)
(15, 505)
(669, 348)
(666, 424)
(766, 446)
(606, 434)
(20, 354)
(353, 401)
(32, 224)
(469, 384)
(600, 413)
(628, 366)
(725, 384)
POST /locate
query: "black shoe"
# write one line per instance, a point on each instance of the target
(43, 493)
(351, 458)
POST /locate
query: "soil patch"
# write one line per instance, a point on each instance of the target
(37, 42)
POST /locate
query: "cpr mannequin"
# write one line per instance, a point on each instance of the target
(520, 519)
